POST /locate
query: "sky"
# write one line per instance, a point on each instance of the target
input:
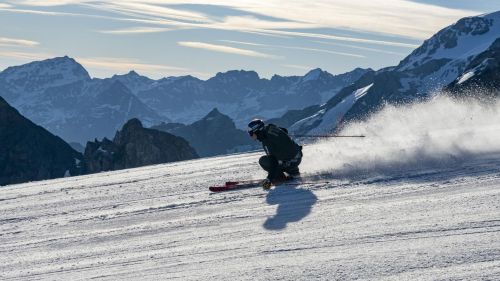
(200, 38)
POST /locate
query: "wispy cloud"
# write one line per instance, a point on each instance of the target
(24, 56)
(12, 9)
(46, 3)
(362, 48)
(107, 66)
(126, 64)
(242, 42)
(136, 30)
(323, 51)
(296, 66)
(225, 49)
(296, 48)
(17, 42)
(150, 11)
(395, 17)
(342, 38)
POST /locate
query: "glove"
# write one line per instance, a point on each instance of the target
(266, 184)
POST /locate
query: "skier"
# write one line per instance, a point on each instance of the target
(283, 155)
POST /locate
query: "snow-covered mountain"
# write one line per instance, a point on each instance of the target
(59, 95)
(439, 61)
(239, 94)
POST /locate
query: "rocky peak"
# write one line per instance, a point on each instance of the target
(132, 124)
(213, 114)
(455, 40)
(135, 146)
(234, 76)
(55, 71)
(313, 75)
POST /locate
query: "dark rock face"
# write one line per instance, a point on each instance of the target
(484, 72)
(215, 134)
(135, 146)
(29, 152)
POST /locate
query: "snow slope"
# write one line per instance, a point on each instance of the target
(391, 207)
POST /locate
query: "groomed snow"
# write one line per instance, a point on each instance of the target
(378, 209)
(161, 223)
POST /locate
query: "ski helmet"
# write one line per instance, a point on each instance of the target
(254, 126)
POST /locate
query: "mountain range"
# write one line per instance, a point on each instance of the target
(60, 95)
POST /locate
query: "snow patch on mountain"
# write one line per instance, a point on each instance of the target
(461, 41)
(466, 76)
(327, 119)
(312, 75)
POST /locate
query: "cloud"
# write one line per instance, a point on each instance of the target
(324, 51)
(46, 3)
(243, 43)
(150, 11)
(121, 65)
(11, 9)
(341, 38)
(395, 17)
(400, 18)
(363, 48)
(296, 48)
(17, 42)
(301, 67)
(135, 30)
(24, 56)
(253, 23)
(225, 49)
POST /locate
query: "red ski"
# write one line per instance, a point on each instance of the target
(231, 185)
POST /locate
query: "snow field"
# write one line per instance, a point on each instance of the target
(419, 199)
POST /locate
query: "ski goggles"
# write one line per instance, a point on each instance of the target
(254, 129)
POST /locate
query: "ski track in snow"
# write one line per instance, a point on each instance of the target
(161, 223)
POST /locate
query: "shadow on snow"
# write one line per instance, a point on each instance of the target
(293, 203)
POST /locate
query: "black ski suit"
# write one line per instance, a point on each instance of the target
(283, 154)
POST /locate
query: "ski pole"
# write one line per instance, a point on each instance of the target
(326, 136)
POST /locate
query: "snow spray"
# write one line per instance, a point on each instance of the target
(437, 133)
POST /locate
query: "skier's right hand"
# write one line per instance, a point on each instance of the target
(266, 184)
